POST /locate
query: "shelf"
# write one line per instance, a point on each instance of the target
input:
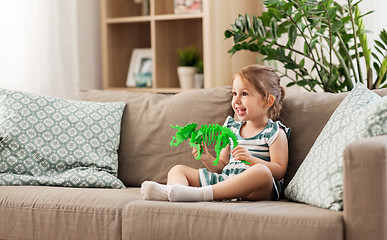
(167, 43)
(122, 39)
(165, 17)
(129, 19)
(124, 28)
(177, 16)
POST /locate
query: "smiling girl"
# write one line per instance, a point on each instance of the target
(257, 100)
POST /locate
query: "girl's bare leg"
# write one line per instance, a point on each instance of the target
(183, 175)
(186, 185)
(179, 174)
(255, 183)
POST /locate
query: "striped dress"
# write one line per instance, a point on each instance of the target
(258, 146)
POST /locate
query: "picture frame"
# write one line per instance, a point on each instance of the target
(187, 6)
(140, 68)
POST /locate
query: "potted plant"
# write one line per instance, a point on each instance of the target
(199, 75)
(334, 39)
(188, 58)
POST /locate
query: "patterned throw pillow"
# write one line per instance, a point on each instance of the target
(319, 180)
(57, 142)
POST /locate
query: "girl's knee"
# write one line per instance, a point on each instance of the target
(183, 174)
(180, 170)
(263, 171)
(177, 169)
(264, 185)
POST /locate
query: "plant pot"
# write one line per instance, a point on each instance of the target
(186, 76)
(199, 80)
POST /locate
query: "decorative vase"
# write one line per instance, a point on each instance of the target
(199, 80)
(186, 76)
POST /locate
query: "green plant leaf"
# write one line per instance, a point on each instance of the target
(380, 51)
(253, 47)
(383, 36)
(306, 49)
(313, 42)
(245, 45)
(290, 84)
(311, 3)
(365, 14)
(291, 66)
(346, 19)
(254, 27)
(302, 63)
(228, 33)
(332, 12)
(380, 44)
(304, 82)
(260, 28)
(239, 23)
(292, 35)
(248, 22)
(315, 11)
(336, 26)
(376, 57)
(297, 17)
(376, 66)
(274, 28)
(270, 2)
(237, 37)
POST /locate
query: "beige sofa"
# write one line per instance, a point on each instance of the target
(31, 212)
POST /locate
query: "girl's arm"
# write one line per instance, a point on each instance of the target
(278, 156)
(208, 159)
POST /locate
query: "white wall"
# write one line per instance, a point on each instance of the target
(377, 20)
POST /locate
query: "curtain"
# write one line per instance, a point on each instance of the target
(39, 46)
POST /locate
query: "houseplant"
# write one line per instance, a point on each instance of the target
(334, 39)
(188, 58)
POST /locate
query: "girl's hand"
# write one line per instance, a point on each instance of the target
(205, 155)
(241, 153)
(195, 152)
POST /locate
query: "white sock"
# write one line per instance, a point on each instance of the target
(154, 191)
(181, 193)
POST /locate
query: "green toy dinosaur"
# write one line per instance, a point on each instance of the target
(205, 135)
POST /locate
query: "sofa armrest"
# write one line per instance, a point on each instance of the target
(365, 188)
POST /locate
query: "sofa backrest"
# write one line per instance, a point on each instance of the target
(145, 153)
(306, 114)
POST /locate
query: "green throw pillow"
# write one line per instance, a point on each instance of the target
(57, 142)
(319, 179)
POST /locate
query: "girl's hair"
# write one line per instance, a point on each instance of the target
(266, 82)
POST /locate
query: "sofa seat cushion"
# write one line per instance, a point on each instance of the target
(229, 220)
(36, 212)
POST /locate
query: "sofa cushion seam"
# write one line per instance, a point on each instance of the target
(266, 221)
(62, 210)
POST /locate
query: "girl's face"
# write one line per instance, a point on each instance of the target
(247, 103)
